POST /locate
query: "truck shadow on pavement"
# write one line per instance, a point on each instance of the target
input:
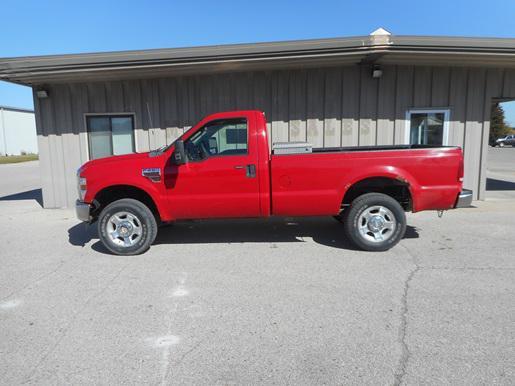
(323, 230)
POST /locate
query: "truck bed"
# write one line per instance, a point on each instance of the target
(315, 183)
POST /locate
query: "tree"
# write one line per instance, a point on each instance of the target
(498, 126)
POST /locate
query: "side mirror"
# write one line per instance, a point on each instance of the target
(179, 154)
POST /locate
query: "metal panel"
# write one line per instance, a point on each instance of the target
(440, 87)
(386, 106)
(280, 107)
(457, 103)
(403, 100)
(367, 108)
(332, 107)
(473, 128)
(69, 142)
(297, 105)
(422, 86)
(315, 107)
(45, 157)
(351, 85)
(508, 90)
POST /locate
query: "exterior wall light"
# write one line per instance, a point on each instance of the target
(41, 94)
(377, 72)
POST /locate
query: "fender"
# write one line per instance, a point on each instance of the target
(384, 172)
(150, 188)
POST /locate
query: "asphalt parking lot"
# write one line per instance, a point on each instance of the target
(285, 301)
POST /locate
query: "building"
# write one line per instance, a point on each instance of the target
(17, 131)
(368, 90)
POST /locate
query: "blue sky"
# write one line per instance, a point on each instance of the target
(56, 27)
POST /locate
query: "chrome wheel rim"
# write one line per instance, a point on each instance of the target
(124, 229)
(376, 224)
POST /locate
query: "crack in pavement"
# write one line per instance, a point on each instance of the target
(72, 321)
(400, 372)
(36, 281)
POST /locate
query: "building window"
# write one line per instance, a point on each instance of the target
(218, 138)
(110, 135)
(427, 127)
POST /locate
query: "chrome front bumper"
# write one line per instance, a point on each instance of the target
(82, 211)
(464, 199)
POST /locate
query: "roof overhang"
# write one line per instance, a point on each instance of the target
(373, 49)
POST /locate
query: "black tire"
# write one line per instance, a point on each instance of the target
(144, 219)
(351, 216)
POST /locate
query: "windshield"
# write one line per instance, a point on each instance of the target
(164, 148)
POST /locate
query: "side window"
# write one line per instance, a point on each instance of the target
(110, 135)
(427, 127)
(218, 138)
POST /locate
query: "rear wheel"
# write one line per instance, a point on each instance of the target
(374, 222)
(127, 227)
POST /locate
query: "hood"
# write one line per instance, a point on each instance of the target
(117, 158)
(106, 161)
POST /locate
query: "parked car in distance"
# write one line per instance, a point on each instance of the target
(508, 140)
(224, 167)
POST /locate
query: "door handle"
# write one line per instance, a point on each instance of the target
(251, 171)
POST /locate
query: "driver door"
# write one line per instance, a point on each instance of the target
(220, 178)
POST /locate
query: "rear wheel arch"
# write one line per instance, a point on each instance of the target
(398, 188)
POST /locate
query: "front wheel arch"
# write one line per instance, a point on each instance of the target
(114, 193)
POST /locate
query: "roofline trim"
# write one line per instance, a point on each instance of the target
(23, 70)
(17, 109)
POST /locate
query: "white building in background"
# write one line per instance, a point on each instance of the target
(17, 131)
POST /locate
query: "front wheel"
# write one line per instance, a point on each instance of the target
(127, 227)
(501, 144)
(374, 222)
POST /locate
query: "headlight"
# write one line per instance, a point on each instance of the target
(81, 187)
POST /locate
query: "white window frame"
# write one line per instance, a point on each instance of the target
(86, 135)
(446, 122)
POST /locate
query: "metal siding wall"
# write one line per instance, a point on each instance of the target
(386, 108)
(351, 90)
(332, 107)
(403, 97)
(327, 106)
(367, 108)
(280, 109)
(508, 90)
(457, 102)
(473, 128)
(315, 107)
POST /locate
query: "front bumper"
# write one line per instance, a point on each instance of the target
(464, 199)
(82, 211)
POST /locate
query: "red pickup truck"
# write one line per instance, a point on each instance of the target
(225, 167)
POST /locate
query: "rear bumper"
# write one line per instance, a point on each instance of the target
(464, 199)
(82, 211)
